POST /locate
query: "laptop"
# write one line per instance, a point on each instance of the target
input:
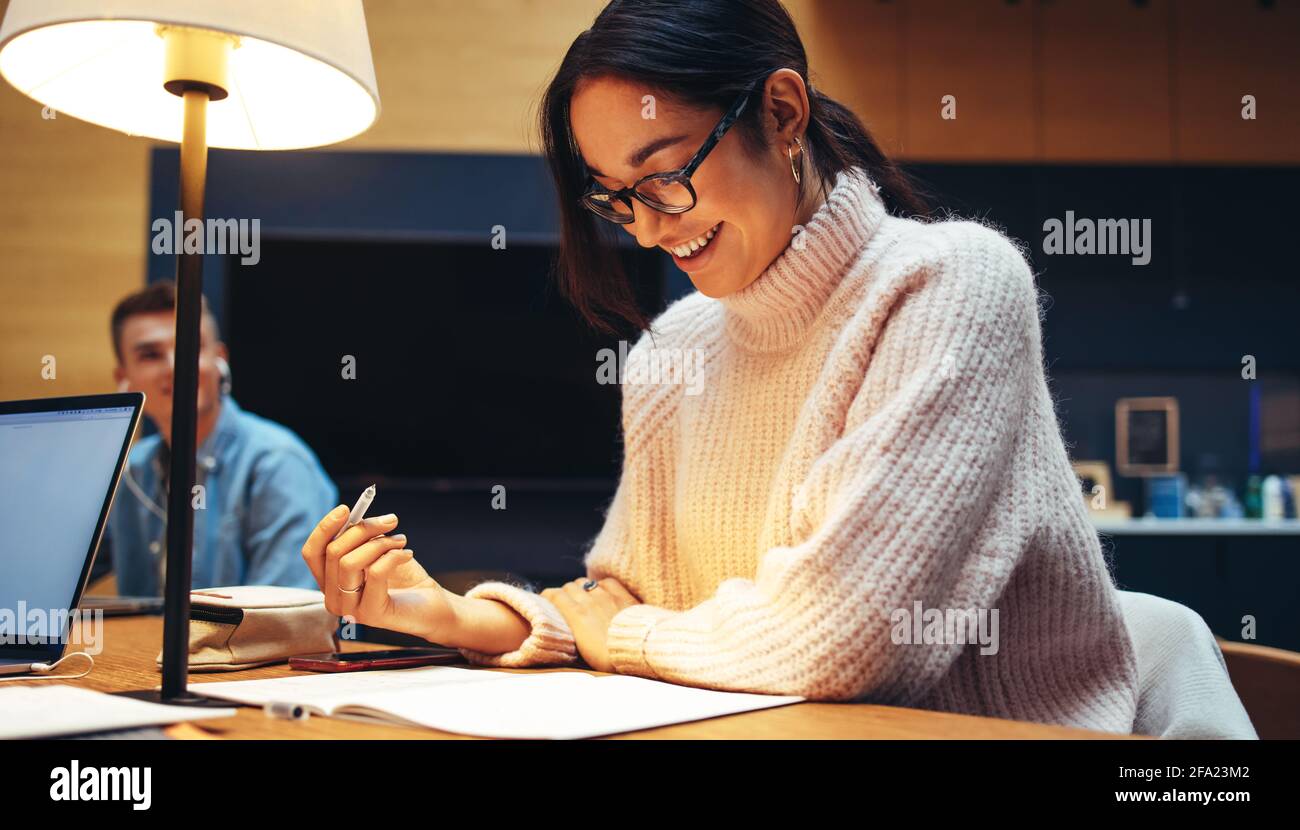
(60, 463)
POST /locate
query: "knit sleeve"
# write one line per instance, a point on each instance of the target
(550, 640)
(898, 509)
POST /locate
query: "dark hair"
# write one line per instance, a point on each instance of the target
(155, 297)
(703, 53)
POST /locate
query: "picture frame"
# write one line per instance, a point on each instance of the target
(1146, 436)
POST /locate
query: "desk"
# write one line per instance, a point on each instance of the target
(131, 644)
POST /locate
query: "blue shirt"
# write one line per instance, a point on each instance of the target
(264, 490)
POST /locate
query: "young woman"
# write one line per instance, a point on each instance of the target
(873, 443)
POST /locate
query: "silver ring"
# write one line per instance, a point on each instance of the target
(590, 585)
(356, 589)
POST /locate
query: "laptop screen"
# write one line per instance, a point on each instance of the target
(57, 469)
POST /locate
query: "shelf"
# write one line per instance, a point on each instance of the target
(1198, 527)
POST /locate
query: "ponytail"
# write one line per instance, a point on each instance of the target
(839, 140)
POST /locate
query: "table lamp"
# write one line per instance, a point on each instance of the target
(238, 74)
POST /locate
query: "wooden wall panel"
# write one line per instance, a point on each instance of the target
(1225, 51)
(466, 76)
(1106, 81)
(73, 238)
(855, 55)
(981, 52)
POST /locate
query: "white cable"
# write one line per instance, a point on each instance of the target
(42, 668)
(141, 495)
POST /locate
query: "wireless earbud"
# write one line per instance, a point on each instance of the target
(124, 386)
(224, 369)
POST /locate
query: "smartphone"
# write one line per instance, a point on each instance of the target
(397, 658)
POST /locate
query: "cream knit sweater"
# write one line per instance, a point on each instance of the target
(873, 429)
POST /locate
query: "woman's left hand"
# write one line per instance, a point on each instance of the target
(589, 613)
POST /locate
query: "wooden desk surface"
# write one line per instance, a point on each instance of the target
(131, 644)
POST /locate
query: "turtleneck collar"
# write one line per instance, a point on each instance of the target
(774, 311)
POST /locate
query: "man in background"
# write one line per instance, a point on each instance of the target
(264, 489)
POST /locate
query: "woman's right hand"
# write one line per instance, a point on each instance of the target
(397, 594)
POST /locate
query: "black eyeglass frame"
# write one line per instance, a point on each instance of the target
(682, 175)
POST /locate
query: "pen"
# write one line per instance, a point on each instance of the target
(358, 510)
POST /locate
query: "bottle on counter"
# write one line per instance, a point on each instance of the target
(1254, 500)
(1273, 504)
(1223, 503)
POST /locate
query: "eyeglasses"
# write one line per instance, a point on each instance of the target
(669, 192)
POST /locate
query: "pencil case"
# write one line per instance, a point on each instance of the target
(244, 626)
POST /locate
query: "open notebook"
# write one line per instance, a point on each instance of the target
(493, 704)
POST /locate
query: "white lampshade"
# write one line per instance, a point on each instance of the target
(299, 72)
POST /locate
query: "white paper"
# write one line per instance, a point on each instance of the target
(536, 704)
(323, 692)
(59, 709)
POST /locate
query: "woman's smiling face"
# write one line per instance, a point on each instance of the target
(745, 209)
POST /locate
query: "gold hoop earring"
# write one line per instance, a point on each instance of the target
(789, 151)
